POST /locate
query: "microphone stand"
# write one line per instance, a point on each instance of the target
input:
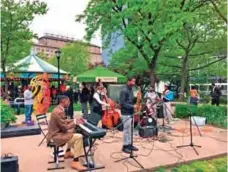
(132, 156)
(191, 136)
(164, 127)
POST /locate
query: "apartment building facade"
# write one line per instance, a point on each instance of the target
(49, 43)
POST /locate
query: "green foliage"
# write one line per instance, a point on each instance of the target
(146, 25)
(206, 166)
(215, 115)
(42, 55)
(160, 170)
(7, 113)
(16, 37)
(218, 165)
(182, 110)
(16, 16)
(128, 62)
(74, 59)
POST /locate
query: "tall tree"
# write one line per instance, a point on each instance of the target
(16, 16)
(74, 58)
(197, 45)
(147, 24)
(220, 7)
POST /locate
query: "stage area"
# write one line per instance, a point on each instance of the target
(152, 152)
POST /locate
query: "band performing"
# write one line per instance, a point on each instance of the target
(133, 111)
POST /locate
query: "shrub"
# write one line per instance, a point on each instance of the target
(7, 113)
(182, 110)
(215, 115)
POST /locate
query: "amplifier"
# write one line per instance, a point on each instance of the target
(9, 164)
(148, 131)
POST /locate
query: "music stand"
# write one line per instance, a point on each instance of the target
(131, 154)
(191, 136)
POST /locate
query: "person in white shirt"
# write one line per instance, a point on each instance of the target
(28, 102)
(151, 102)
(97, 107)
(97, 100)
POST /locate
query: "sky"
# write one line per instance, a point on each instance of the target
(60, 20)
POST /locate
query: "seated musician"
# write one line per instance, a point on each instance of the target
(97, 102)
(59, 131)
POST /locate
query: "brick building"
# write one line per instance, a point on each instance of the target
(49, 43)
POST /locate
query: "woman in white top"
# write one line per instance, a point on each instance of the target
(97, 104)
(97, 100)
(152, 99)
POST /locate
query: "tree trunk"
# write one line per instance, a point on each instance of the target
(152, 77)
(6, 82)
(183, 74)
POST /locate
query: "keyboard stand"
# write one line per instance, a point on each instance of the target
(90, 166)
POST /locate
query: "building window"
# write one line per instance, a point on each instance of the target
(37, 49)
(47, 50)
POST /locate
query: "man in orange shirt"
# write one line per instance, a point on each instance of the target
(194, 96)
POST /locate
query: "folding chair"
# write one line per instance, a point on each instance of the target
(42, 118)
(56, 156)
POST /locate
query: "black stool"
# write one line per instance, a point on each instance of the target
(56, 157)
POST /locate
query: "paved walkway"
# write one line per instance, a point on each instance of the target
(151, 154)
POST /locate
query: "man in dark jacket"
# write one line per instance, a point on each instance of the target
(70, 109)
(127, 109)
(215, 94)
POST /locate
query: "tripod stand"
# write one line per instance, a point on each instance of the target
(191, 137)
(131, 154)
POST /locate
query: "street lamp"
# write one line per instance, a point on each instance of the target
(58, 54)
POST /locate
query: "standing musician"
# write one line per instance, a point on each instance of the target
(59, 131)
(127, 110)
(151, 103)
(97, 102)
(167, 98)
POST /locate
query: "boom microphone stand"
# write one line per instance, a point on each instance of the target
(191, 137)
(131, 154)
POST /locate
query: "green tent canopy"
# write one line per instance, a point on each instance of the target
(104, 74)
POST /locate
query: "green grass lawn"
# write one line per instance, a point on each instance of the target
(214, 165)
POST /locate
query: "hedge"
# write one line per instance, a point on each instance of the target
(216, 115)
(7, 114)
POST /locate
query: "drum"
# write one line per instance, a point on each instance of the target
(148, 121)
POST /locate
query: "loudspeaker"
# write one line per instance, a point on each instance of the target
(148, 131)
(9, 164)
(160, 113)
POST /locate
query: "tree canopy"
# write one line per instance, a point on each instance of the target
(147, 25)
(74, 59)
(16, 37)
(16, 40)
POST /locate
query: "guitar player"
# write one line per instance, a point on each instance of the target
(127, 110)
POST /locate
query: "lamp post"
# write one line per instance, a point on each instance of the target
(58, 54)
